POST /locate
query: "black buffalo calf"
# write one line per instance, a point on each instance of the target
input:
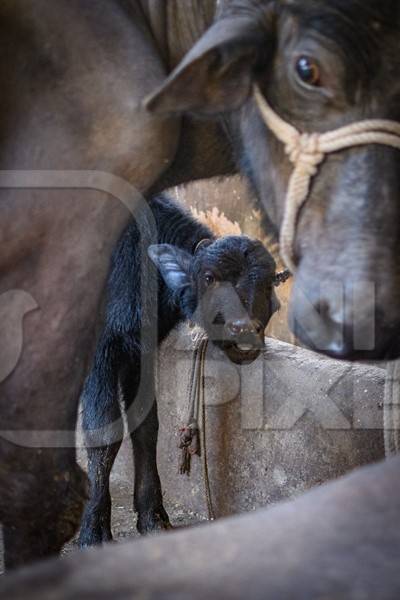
(226, 285)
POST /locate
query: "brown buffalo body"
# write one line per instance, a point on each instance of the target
(340, 541)
(74, 74)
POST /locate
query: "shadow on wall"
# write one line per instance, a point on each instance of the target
(228, 208)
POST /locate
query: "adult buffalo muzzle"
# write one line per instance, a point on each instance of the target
(307, 151)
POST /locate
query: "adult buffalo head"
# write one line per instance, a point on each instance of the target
(321, 64)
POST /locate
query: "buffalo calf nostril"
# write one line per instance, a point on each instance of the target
(258, 327)
(234, 328)
(237, 327)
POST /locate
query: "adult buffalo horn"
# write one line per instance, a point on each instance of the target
(282, 277)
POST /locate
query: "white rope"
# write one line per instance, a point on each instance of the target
(306, 151)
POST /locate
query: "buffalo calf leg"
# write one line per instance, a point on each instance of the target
(96, 522)
(103, 427)
(148, 495)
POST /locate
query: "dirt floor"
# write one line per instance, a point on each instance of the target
(124, 518)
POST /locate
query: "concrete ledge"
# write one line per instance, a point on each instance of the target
(288, 422)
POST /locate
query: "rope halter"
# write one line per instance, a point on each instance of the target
(306, 151)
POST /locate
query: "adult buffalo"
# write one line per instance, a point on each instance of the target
(322, 64)
(74, 74)
(340, 541)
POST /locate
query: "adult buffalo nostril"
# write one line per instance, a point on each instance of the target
(354, 341)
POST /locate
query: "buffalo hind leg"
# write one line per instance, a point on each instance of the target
(148, 501)
(103, 428)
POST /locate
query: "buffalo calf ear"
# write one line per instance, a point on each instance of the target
(173, 265)
(217, 74)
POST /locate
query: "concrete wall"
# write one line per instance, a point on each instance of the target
(288, 422)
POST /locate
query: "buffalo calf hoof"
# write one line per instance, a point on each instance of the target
(94, 536)
(153, 521)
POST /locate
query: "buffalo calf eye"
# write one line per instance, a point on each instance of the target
(209, 279)
(308, 71)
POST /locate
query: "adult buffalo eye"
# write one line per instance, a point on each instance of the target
(308, 71)
(209, 279)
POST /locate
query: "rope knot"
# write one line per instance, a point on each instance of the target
(189, 443)
(304, 151)
(307, 151)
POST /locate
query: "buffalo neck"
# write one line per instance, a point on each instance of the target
(204, 151)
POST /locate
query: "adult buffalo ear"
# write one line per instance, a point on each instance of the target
(217, 74)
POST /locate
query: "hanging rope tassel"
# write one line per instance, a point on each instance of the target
(190, 446)
(189, 438)
(192, 438)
